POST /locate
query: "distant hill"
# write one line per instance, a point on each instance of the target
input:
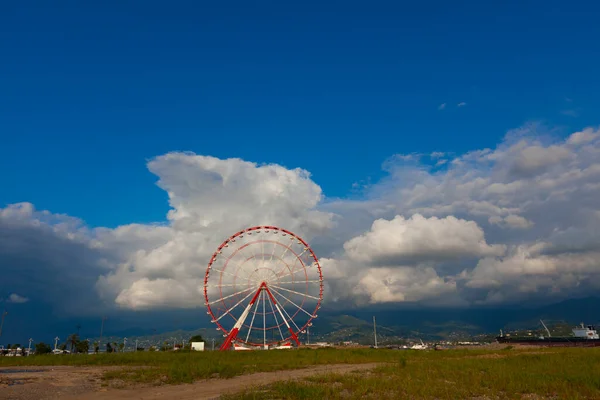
(395, 323)
(488, 319)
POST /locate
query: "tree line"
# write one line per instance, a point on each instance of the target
(75, 345)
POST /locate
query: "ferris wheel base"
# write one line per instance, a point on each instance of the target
(241, 347)
(232, 336)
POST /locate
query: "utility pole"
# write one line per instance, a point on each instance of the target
(375, 331)
(29, 349)
(307, 335)
(101, 330)
(56, 339)
(2, 323)
(124, 343)
(136, 344)
(78, 329)
(213, 344)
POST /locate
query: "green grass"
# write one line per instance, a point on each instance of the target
(186, 367)
(509, 374)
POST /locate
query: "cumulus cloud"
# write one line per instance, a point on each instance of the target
(419, 239)
(490, 226)
(461, 104)
(527, 271)
(540, 188)
(49, 256)
(401, 284)
(210, 199)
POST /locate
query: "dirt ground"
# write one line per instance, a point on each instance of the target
(48, 382)
(70, 383)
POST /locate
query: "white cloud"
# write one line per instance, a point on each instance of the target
(419, 239)
(461, 104)
(510, 221)
(493, 225)
(532, 185)
(17, 299)
(586, 136)
(402, 284)
(442, 106)
(528, 271)
(159, 293)
(211, 199)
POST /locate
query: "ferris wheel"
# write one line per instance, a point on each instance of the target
(263, 288)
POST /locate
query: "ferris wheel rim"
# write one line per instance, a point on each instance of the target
(287, 300)
(293, 330)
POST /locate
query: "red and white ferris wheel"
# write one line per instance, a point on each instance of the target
(263, 288)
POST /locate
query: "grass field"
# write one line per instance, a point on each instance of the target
(450, 374)
(186, 367)
(505, 374)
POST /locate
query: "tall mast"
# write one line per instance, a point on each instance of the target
(546, 328)
(375, 331)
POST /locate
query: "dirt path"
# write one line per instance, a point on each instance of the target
(42, 383)
(70, 383)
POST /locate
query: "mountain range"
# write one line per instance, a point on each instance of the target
(401, 323)
(394, 323)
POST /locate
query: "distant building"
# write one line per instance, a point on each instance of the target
(197, 346)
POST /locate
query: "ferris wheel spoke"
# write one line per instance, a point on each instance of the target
(253, 257)
(232, 308)
(295, 292)
(246, 274)
(273, 253)
(223, 285)
(264, 321)
(298, 281)
(229, 296)
(280, 308)
(229, 273)
(289, 318)
(294, 304)
(295, 271)
(285, 251)
(296, 258)
(262, 250)
(276, 321)
(244, 259)
(252, 321)
(291, 273)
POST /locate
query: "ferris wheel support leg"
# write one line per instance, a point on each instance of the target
(294, 336)
(236, 328)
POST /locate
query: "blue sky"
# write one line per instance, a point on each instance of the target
(90, 92)
(93, 95)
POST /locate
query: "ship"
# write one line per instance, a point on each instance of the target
(583, 336)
